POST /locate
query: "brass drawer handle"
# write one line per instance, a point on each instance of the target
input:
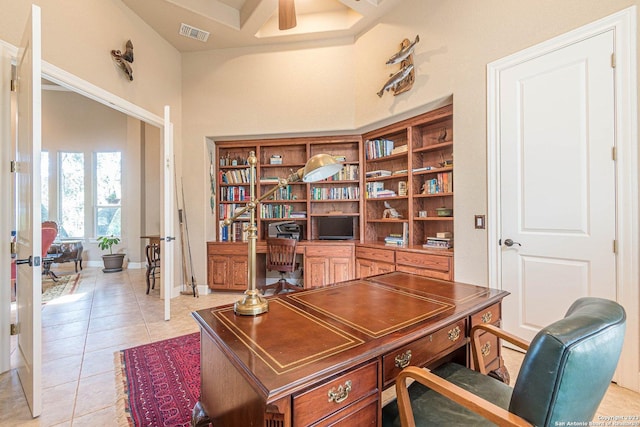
(340, 394)
(454, 333)
(485, 349)
(403, 360)
(486, 318)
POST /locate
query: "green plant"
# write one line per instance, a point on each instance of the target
(107, 242)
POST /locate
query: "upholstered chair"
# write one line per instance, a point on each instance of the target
(563, 377)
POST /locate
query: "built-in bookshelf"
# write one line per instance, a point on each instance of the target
(409, 181)
(298, 202)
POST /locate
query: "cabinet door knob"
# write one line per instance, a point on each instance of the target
(403, 360)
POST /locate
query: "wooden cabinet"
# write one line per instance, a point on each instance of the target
(489, 343)
(372, 261)
(396, 185)
(227, 267)
(327, 264)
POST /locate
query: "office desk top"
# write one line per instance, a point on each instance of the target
(265, 363)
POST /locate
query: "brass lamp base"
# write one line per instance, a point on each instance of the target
(251, 305)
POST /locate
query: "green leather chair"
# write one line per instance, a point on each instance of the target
(564, 376)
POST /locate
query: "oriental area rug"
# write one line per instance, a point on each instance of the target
(65, 285)
(158, 383)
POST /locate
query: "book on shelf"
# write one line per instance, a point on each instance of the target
(399, 172)
(269, 180)
(340, 158)
(378, 173)
(424, 168)
(385, 193)
(438, 243)
(400, 149)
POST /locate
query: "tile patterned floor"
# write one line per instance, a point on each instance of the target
(110, 312)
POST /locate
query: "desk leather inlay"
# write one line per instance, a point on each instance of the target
(435, 287)
(280, 338)
(371, 308)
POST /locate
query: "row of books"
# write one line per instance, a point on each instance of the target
(335, 193)
(235, 232)
(233, 194)
(268, 210)
(377, 173)
(283, 193)
(347, 173)
(376, 148)
(235, 176)
(376, 190)
(398, 239)
(442, 183)
(228, 209)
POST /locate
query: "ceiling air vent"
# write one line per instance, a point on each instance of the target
(193, 33)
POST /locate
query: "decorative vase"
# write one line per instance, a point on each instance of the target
(112, 262)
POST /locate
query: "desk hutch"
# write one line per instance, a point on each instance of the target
(402, 194)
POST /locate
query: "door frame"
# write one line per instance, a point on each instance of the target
(623, 24)
(91, 91)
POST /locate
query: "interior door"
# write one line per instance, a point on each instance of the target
(166, 278)
(6, 222)
(29, 274)
(557, 180)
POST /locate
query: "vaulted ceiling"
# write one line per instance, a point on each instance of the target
(242, 23)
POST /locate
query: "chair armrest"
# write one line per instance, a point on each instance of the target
(451, 391)
(478, 357)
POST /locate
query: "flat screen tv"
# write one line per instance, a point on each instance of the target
(335, 228)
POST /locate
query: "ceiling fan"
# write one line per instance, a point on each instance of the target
(286, 14)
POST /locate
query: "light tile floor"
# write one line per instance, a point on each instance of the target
(110, 312)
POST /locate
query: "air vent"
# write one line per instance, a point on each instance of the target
(193, 33)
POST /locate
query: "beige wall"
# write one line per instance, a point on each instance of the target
(301, 88)
(244, 92)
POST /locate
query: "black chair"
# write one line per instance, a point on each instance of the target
(153, 265)
(563, 377)
(281, 257)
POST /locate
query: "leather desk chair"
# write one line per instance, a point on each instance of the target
(152, 252)
(281, 257)
(564, 376)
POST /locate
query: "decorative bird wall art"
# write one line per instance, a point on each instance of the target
(402, 80)
(124, 59)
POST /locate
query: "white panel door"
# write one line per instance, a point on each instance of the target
(29, 229)
(557, 182)
(169, 206)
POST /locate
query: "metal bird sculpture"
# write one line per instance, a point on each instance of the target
(124, 59)
(403, 53)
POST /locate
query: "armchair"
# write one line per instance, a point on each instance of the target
(564, 376)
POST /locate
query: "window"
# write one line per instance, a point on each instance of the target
(44, 176)
(108, 191)
(71, 191)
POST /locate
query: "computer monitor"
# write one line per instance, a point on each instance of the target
(335, 228)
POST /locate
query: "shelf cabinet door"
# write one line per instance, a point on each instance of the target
(316, 271)
(217, 269)
(367, 267)
(237, 265)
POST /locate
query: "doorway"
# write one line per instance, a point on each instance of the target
(562, 166)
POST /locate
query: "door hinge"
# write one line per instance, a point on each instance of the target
(14, 248)
(14, 85)
(615, 246)
(13, 166)
(614, 154)
(13, 329)
(613, 60)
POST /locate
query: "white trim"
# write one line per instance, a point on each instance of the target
(623, 24)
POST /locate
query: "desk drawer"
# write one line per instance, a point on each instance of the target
(423, 350)
(431, 262)
(334, 395)
(380, 255)
(489, 315)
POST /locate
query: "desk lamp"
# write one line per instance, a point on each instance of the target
(318, 167)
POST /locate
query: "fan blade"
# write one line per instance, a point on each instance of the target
(286, 14)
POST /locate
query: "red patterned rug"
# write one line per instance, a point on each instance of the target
(159, 383)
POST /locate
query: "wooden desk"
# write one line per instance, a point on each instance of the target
(324, 355)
